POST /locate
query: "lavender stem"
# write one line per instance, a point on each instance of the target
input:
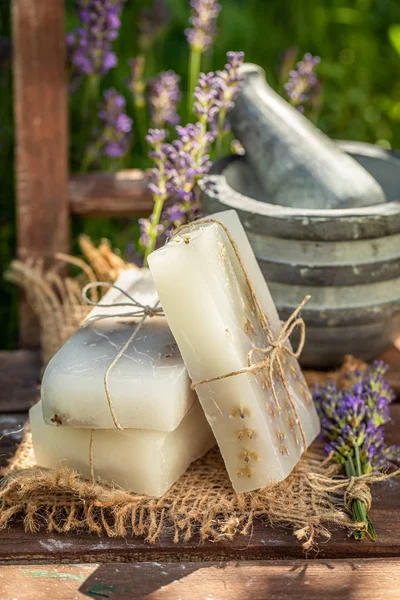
(194, 71)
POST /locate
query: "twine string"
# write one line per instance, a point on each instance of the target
(277, 346)
(138, 310)
(272, 352)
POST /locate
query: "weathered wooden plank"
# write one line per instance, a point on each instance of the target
(12, 428)
(264, 542)
(40, 106)
(19, 380)
(122, 194)
(260, 580)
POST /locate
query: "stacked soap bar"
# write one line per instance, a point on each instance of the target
(156, 412)
(207, 278)
(149, 385)
(141, 460)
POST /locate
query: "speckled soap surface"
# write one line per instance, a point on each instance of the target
(149, 385)
(212, 316)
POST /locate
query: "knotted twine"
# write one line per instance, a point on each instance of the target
(139, 310)
(276, 348)
(272, 352)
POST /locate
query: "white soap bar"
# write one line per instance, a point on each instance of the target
(142, 461)
(149, 386)
(212, 315)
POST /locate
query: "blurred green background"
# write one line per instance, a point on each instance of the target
(358, 42)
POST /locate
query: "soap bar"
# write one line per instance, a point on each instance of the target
(142, 461)
(149, 386)
(214, 320)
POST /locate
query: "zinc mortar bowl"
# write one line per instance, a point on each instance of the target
(347, 259)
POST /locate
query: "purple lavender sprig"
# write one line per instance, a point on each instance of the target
(200, 37)
(180, 163)
(228, 84)
(115, 137)
(90, 45)
(352, 425)
(203, 24)
(151, 229)
(164, 97)
(303, 85)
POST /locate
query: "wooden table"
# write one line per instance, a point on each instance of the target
(268, 564)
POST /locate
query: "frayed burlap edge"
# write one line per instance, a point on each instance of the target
(56, 299)
(202, 502)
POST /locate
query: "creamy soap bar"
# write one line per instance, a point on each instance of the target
(149, 386)
(141, 461)
(213, 318)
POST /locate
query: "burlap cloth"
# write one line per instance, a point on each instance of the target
(202, 502)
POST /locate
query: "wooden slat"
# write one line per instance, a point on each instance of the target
(19, 380)
(263, 542)
(122, 194)
(40, 106)
(261, 580)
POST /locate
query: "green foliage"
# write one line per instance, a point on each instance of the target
(358, 42)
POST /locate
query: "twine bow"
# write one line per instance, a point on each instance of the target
(276, 347)
(138, 310)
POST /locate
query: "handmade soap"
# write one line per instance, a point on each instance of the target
(149, 386)
(213, 316)
(142, 461)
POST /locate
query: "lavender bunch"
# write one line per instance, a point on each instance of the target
(180, 164)
(164, 96)
(200, 37)
(90, 45)
(352, 425)
(115, 137)
(303, 85)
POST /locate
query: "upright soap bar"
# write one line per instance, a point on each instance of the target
(149, 386)
(213, 317)
(141, 461)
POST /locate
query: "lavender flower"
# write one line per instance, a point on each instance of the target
(164, 96)
(352, 421)
(215, 95)
(117, 125)
(146, 230)
(151, 229)
(136, 82)
(152, 22)
(115, 138)
(205, 100)
(203, 21)
(228, 83)
(178, 214)
(90, 45)
(303, 85)
(180, 164)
